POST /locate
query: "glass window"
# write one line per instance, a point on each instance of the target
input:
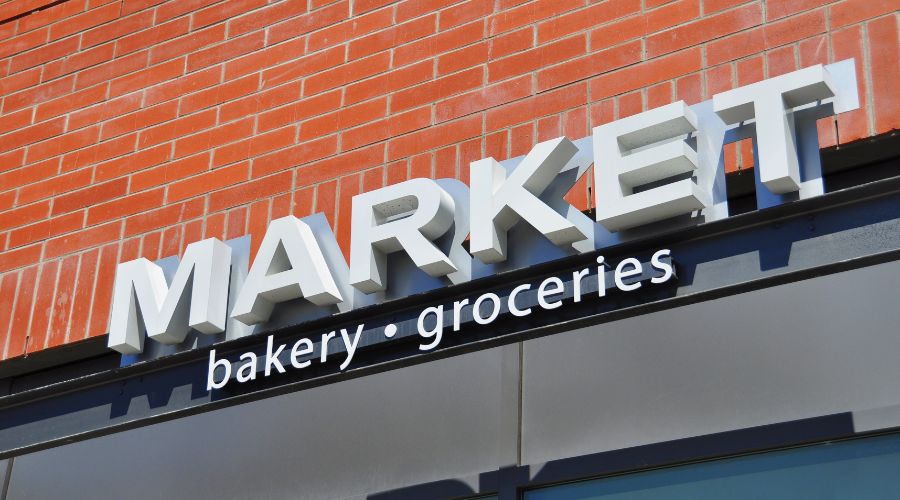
(855, 469)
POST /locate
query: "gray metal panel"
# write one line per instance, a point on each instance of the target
(810, 348)
(400, 428)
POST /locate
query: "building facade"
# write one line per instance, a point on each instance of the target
(753, 351)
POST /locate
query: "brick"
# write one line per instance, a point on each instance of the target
(362, 6)
(264, 17)
(535, 107)
(46, 229)
(186, 44)
(540, 57)
(672, 14)
(294, 156)
(348, 187)
(347, 117)
(646, 73)
(883, 43)
(102, 299)
(17, 342)
(32, 134)
(484, 98)
(348, 30)
(15, 120)
(225, 51)
(580, 20)
(8, 290)
(391, 37)
(174, 129)
(215, 226)
(223, 10)
(212, 138)
(296, 111)
(63, 298)
(781, 61)
(179, 87)
(409, 9)
(82, 22)
(437, 44)
(96, 193)
(464, 58)
(24, 42)
(171, 10)
(303, 202)
(19, 81)
(153, 36)
(304, 66)
(117, 29)
(236, 224)
(333, 167)
(795, 28)
(734, 47)
(347, 73)
(37, 94)
(146, 77)
(131, 6)
(40, 18)
(326, 200)
(689, 89)
(43, 54)
(219, 94)
(257, 222)
(132, 163)
(78, 61)
(208, 181)
(530, 13)
(71, 102)
(255, 146)
(28, 176)
(434, 137)
(24, 215)
(750, 70)
(304, 24)
(394, 125)
(389, 82)
(139, 119)
(62, 144)
(131, 204)
(169, 172)
(437, 89)
(261, 101)
(97, 153)
(43, 305)
(521, 140)
(813, 51)
(588, 66)
(81, 240)
(853, 11)
(510, 43)
(713, 6)
(777, 9)
(112, 69)
(171, 214)
(708, 28)
(81, 301)
(250, 191)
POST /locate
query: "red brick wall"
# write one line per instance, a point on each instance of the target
(132, 128)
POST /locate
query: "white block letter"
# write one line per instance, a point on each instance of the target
(140, 293)
(619, 169)
(289, 265)
(408, 216)
(770, 101)
(500, 198)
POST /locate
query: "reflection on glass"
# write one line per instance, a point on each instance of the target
(858, 469)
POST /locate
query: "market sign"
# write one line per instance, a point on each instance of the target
(660, 168)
